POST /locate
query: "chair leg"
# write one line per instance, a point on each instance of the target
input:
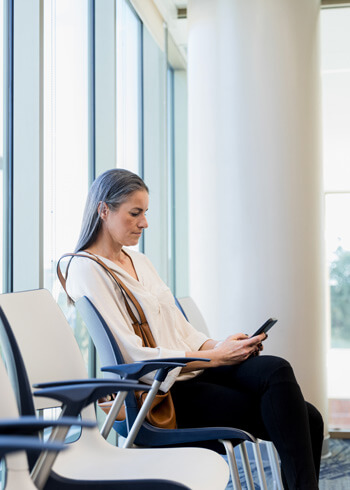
(246, 466)
(275, 467)
(112, 415)
(259, 466)
(231, 458)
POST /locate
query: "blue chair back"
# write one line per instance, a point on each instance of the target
(180, 308)
(109, 354)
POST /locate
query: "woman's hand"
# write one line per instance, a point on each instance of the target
(237, 348)
(233, 350)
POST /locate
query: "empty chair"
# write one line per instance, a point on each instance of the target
(50, 353)
(12, 444)
(17, 472)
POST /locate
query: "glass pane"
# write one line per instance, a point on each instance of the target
(338, 258)
(155, 157)
(335, 59)
(180, 177)
(66, 118)
(1, 137)
(338, 255)
(171, 181)
(128, 88)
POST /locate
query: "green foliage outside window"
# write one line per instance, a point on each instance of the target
(340, 299)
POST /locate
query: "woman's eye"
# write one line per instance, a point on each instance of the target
(134, 214)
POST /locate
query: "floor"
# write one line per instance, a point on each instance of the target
(335, 469)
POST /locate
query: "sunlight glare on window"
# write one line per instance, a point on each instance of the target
(66, 158)
(128, 88)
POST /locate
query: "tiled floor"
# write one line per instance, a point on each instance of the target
(335, 470)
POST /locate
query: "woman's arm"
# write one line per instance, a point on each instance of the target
(233, 350)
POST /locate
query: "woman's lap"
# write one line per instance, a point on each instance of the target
(227, 396)
(201, 404)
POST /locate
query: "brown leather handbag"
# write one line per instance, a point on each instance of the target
(162, 411)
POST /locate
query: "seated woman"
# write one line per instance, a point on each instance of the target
(237, 388)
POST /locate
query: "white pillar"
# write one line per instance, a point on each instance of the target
(256, 219)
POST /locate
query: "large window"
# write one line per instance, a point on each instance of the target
(93, 89)
(129, 87)
(336, 126)
(66, 138)
(1, 138)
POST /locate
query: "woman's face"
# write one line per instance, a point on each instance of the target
(124, 226)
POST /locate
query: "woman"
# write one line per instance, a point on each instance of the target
(237, 387)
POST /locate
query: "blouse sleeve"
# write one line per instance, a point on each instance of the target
(87, 278)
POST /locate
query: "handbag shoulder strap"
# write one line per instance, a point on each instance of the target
(124, 289)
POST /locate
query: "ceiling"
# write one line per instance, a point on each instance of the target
(174, 13)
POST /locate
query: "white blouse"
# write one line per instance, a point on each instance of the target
(172, 333)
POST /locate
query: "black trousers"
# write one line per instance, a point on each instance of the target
(261, 396)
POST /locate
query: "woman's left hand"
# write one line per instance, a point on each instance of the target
(260, 347)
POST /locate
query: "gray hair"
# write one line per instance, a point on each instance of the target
(113, 187)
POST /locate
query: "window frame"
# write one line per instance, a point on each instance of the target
(7, 161)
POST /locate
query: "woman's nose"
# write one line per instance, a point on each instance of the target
(143, 223)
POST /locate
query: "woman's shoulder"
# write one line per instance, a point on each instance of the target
(83, 264)
(85, 277)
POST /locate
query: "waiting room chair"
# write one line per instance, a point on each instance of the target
(16, 467)
(18, 435)
(44, 343)
(148, 435)
(193, 314)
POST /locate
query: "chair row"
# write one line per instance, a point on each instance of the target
(44, 360)
(40, 353)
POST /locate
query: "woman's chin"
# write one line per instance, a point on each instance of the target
(133, 241)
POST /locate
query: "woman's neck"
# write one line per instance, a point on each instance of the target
(119, 257)
(108, 250)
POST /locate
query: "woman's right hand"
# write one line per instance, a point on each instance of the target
(233, 350)
(236, 349)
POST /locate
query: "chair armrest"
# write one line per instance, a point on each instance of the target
(183, 360)
(138, 369)
(75, 397)
(28, 425)
(163, 366)
(78, 381)
(11, 444)
(155, 437)
(175, 361)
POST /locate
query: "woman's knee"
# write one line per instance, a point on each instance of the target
(276, 370)
(315, 421)
(271, 365)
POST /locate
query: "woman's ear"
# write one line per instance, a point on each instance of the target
(103, 210)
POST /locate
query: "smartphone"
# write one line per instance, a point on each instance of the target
(266, 327)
